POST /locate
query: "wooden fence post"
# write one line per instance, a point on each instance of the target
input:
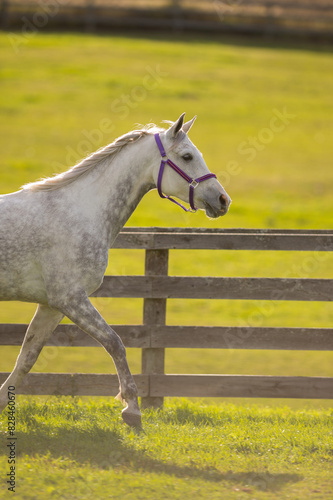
(154, 312)
(90, 16)
(3, 14)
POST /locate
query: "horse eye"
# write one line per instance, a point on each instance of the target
(187, 157)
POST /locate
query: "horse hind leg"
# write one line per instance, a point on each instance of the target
(40, 329)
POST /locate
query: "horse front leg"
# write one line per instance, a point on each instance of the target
(78, 308)
(40, 329)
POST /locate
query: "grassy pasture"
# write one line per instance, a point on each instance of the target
(64, 95)
(79, 450)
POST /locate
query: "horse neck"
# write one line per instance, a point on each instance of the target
(117, 186)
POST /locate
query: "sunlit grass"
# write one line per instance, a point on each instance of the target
(77, 449)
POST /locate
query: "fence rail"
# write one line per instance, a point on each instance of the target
(159, 386)
(180, 287)
(298, 17)
(196, 337)
(153, 336)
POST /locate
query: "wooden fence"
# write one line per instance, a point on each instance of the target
(296, 17)
(154, 335)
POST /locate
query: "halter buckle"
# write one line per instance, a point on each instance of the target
(194, 183)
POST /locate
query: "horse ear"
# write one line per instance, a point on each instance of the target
(188, 125)
(176, 127)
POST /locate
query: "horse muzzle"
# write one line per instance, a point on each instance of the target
(219, 208)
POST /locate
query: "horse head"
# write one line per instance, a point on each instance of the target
(185, 173)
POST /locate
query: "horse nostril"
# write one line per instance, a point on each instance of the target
(223, 200)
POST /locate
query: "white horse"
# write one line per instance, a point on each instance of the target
(55, 235)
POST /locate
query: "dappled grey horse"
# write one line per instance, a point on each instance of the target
(55, 235)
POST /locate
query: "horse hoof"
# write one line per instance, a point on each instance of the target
(132, 419)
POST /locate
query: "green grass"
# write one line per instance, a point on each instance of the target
(79, 450)
(60, 98)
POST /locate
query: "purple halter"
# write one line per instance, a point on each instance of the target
(193, 183)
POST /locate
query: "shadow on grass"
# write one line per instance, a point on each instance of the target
(106, 449)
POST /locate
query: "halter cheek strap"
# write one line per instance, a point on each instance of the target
(193, 183)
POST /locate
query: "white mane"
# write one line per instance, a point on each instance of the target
(91, 161)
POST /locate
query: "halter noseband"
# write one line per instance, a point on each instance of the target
(193, 183)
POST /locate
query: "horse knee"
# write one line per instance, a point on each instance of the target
(115, 347)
